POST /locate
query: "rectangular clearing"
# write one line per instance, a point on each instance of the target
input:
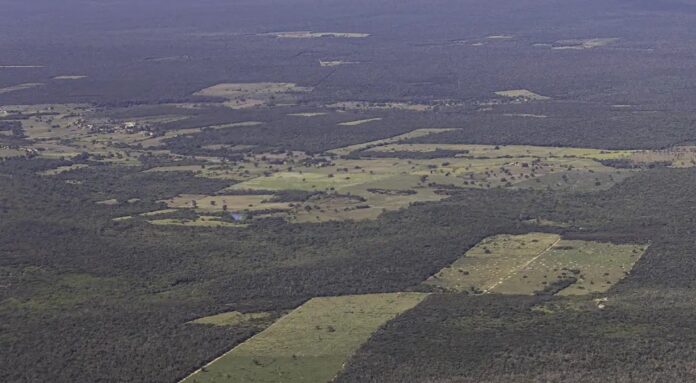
(491, 261)
(535, 262)
(310, 344)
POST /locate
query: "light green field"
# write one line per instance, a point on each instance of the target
(315, 35)
(310, 344)
(62, 169)
(488, 264)
(10, 153)
(232, 318)
(402, 137)
(596, 265)
(309, 181)
(526, 264)
(202, 221)
(493, 151)
(19, 87)
(359, 122)
(523, 94)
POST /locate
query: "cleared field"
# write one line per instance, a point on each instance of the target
(9, 153)
(596, 266)
(309, 181)
(402, 137)
(19, 87)
(522, 94)
(529, 263)
(308, 114)
(202, 221)
(336, 63)
(232, 203)
(69, 77)
(108, 202)
(62, 169)
(311, 343)
(315, 35)
(507, 151)
(366, 105)
(359, 122)
(232, 318)
(21, 66)
(580, 44)
(249, 95)
(678, 157)
(488, 264)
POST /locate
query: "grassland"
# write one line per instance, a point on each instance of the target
(488, 264)
(311, 344)
(231, 318)
(315, 35)
(220, 203)
(596, 267)
(580, 44)
(366, 105)
(530, 263)
(359, 122)
(249, 95)
(402, 137)
(200, 221)
(507, 151)
(522, 94)
(16, 88)
(69, 77)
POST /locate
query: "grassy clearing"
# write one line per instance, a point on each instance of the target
(336, 63)
(10, 153)
(367, 105)
(62, 169)
(359, 122)
(490, 262)
(307, 114)
(596, 265)
(202, 221)
(522, 94)
(19, 87)
(529, 263)
(69, 77)
(678, 157)
(314, 181)
(402, 137)
(220, 203)
(315, 35)
(108, 202)
(507, 151)
(232, 318)
(580, 44)
(310, 344)
(249, 95)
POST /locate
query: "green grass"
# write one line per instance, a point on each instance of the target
(310, 344)
(488, 263)
(525, 264)
(596, 265)
(231, 318)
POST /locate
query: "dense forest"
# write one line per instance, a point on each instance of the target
(93, 289)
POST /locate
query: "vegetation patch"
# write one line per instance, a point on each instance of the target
(232, 318)
(19, 87)
(491, 262)
(522, 94)
(310, 344)
(359, 122)
(315, 35)
(538, 263)
(249, 95)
